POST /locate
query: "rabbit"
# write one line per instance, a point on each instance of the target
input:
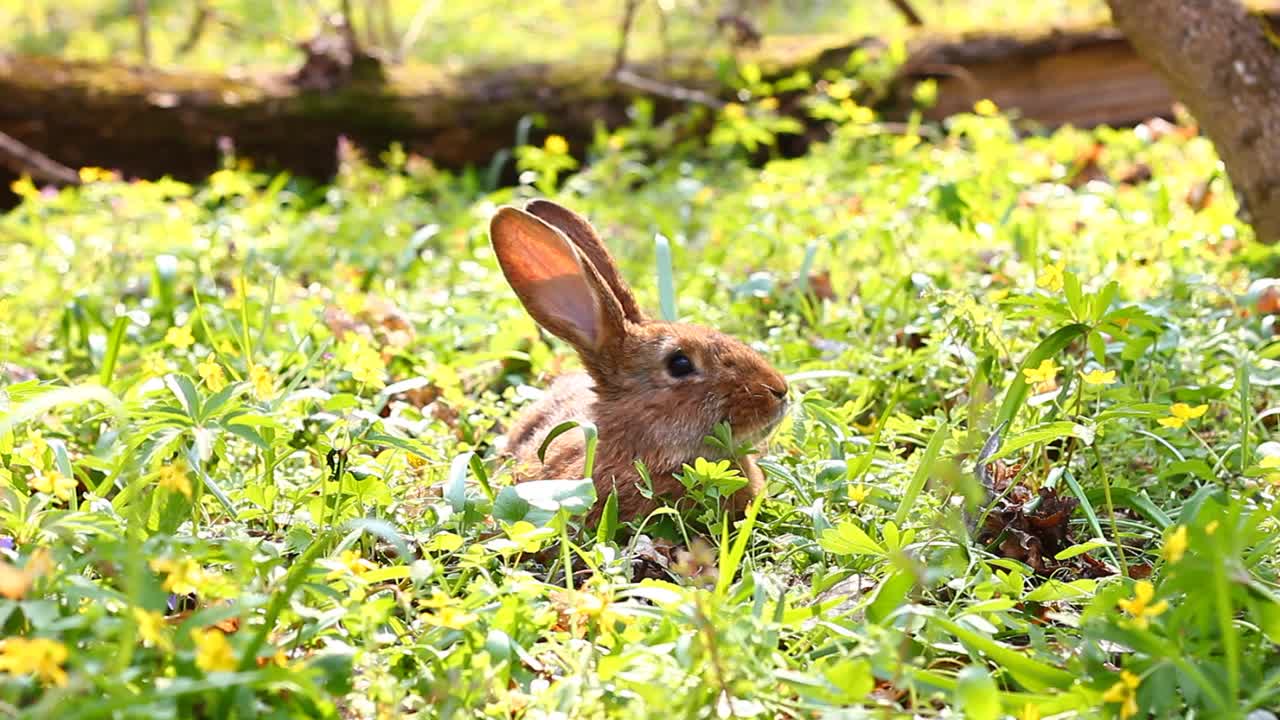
(653, 389)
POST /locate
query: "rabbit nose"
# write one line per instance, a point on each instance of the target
(779, 392)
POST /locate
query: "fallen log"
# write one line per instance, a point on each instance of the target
(148, 123)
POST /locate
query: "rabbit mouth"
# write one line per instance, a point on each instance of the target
(762, 432)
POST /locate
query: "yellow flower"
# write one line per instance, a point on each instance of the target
(183, 576)
(860, 114)
(734, 111)
(1175, 546)
(52, 482)
(858, 493)
(1125, 692)
(1140, 606)
(840, 91)
(1099, 377)
(1051, 277)
(365, 364)
(263, 383)
(213, 652)
(211, 372)
(151, 628)
(1180, 413)
(769, 103)
(556, 145)
(1271, 462)
(154, 365)
(1186, 412)
(32, 452)
(1044, 377)
(40, 657)
(350, 562)
(450, 617)
(985, 108)
(180, 337)
(24, 188)
(174, 479)
(95, 174)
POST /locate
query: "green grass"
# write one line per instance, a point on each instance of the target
(332, 533)
(455, 35)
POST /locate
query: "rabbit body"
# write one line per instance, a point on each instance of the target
(653, 389)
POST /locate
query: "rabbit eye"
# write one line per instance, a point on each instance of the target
(679, 364)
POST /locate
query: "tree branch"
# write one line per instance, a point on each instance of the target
(25, 161)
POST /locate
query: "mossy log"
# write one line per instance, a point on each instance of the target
(149, 123)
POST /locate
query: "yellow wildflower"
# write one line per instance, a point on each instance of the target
(859, 114)
(556, 145)
(174, 479)
(1175, 546)
(211, 372)
(24, 188)
(1099, 377)
(95, 174)
(151, 628)
(1044, 378)
(40, 657)
(1180, 413)
(840, 91)
(154, 365)
(180, 337)
(734, 111)
(366, 365)
(450, 617)
(985, 107)
(1051, 277)
(1271, 462)
(769, 103)
(1140, 606)
(1125, 692)
(858, 493)
(213, 652)
(32, 452)
(183, 576)
(263, 383)
(52, 482)
(350, 562)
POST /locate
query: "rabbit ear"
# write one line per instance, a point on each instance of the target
(580, 232)
(556, 284)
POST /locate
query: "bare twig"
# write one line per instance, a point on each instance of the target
(144, 29)
(198, 25)
(26, 161)
(667, 90)
(904, 6)
(624, 35)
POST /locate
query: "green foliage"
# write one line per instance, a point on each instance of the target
(248, 430)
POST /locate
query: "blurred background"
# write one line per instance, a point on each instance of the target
(247, 34)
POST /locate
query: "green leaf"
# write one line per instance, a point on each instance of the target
(1044, 433)
(976, 694)
(1082, 548)
(538, 502)
(1031, 674)
(1049, 347)
(849, 539)
(921, 474)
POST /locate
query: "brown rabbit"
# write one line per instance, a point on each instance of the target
(653, 389)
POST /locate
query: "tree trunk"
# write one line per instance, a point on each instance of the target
(1219, 61)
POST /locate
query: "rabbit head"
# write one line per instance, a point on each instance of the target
(659, 387)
